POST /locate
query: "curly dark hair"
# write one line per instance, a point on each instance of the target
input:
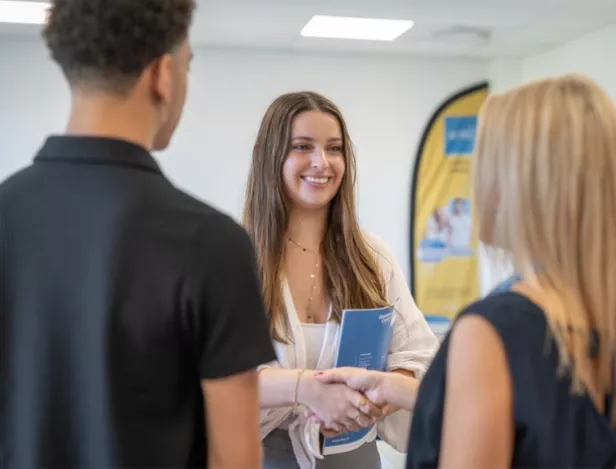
(108, 43)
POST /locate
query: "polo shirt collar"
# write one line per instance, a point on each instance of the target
(96, 150)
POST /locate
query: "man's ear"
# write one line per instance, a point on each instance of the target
(162, 79)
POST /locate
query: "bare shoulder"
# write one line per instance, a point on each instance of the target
(478, 398)
(477, 363)
(474, 333)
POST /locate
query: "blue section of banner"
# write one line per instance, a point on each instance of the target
(460, 135)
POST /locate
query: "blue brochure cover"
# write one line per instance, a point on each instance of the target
(365, 338)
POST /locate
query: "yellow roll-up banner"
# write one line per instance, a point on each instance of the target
(444, 246)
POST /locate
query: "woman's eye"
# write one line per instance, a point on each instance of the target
(302, 147)
(336, 149)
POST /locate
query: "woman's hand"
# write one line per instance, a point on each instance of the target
(370, 383)
(340, 408)
(387, 390)
(328, 433)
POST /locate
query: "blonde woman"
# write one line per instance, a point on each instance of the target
(526, 377)
(314, 262)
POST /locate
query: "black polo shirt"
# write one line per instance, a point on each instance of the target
(118, 295)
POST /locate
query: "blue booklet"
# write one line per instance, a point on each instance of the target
(365, 339)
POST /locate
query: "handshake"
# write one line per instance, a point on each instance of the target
(346, 400)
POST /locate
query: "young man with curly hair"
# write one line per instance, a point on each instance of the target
(131, 320)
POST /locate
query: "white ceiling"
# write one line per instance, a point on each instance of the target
(470, 28)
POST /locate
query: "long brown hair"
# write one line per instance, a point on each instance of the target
(352, 275)
(545, 192)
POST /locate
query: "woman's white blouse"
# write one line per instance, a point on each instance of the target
(413, 347)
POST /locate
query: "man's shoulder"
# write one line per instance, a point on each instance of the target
(221, 228)
(19, 181)
(20, 175)
(216, 230)
(186, 203)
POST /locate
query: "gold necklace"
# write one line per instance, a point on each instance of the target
(313, 277)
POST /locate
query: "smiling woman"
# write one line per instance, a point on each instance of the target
(314, 167)
(315, 262)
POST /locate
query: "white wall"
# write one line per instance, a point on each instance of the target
(504, 73)
(33, 102)
(387, 103)
(592, 55)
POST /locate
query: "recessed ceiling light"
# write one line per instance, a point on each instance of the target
(370, 29)
(23, 12)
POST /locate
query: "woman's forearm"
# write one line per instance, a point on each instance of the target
(280, 387)
(400, 390)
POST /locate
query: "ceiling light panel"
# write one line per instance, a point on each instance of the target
(23, 12)
(367, 29)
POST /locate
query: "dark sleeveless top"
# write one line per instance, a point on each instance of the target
(553, 428)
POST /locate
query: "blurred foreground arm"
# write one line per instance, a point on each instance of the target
(227, 328)
(232, 419)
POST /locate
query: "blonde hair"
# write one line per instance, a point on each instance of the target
(545, 192)
(352, 275)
